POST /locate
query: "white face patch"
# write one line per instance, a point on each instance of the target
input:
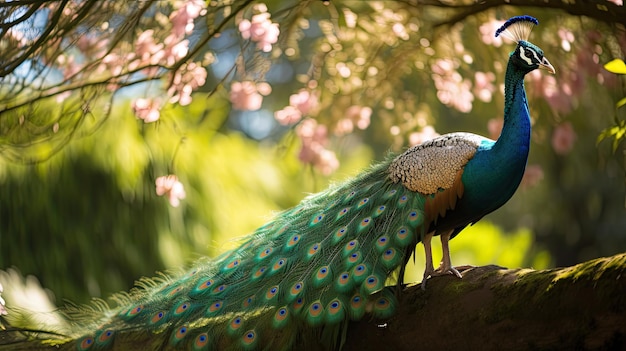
(529, 61)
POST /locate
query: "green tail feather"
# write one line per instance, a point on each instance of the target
(300, 277)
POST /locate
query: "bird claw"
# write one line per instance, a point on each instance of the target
(451, 270)
(464, 267)
(427, 273)
(456, 271)
(443, 271)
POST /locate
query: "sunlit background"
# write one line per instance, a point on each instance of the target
(249, 124)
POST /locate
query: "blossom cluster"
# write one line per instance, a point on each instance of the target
(152, 53)
(147, 109)
(260, 28)
(452, 89)
(484, 86)
(186, 79)
(153, 50)
(248, 95)
(355, 115)
(302, 103)
(170, 185)
(487, 31)
(314, 139)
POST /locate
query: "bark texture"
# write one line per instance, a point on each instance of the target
(492, 308)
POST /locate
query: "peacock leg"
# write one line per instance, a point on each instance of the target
(446, 265)
(430, 269)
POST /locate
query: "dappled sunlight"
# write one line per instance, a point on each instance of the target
(96, 113)
(37, 305)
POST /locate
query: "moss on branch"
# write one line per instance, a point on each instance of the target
(582, 307)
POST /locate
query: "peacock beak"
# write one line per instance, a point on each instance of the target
(545, 64)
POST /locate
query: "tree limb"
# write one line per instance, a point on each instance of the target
(603, 11)
(492, 308)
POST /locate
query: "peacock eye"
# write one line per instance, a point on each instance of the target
(529, 56)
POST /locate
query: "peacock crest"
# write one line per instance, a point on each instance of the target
(517, 28)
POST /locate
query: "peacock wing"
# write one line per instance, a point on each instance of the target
(435, 168)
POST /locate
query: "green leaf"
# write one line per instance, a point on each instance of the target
(621, 103)
(616, 132)
(616, 66)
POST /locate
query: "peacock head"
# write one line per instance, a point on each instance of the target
(527, 56)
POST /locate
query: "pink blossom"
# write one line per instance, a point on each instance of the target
(483, 85)
(327, 162)
(355, 115)
(322, 159)
(288, 115)
(311, 132)
(344, 126)
(183, 17)
(557, 94)
(149, 110)
(260, 29)
(617, 2)
(147, 50)
(588, 58)
(427, 133)
(175, 49)
(300, 103)
(563, 138)
(112, 63)
(488, 30)
(248, 96)
(532, 175)
(189, 77)
(147, 53)
(360, 114)
(172, 187)
(314, 138)
(452, 89)
(304, 100)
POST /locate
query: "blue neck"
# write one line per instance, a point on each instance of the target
(495, 172)
(514, 141)
(501, 168)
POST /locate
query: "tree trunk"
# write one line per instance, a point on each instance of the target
(492, 308)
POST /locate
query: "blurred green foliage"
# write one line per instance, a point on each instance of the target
(88, 222)
(617, 132)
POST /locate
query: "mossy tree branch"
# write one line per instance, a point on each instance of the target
(492, 308)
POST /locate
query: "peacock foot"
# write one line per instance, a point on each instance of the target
(442, 270)
(446, 270)
(427, 273)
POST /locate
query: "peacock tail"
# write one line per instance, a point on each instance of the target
(300, 278)
(319, 264)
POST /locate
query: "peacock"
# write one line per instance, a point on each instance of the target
(303, 276)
